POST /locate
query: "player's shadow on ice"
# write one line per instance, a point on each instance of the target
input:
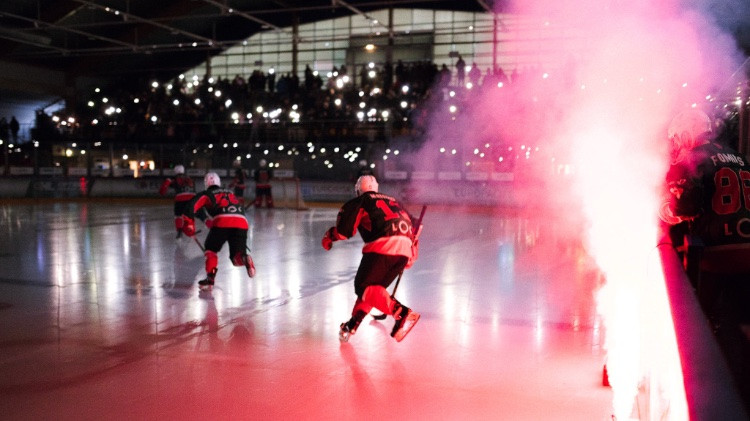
(384, 325)
(365, 388)
(241, 329)
(187, 263)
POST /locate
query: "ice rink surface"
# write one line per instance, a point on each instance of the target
(101, 319)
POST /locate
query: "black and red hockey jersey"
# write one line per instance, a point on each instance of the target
(183, 186)
(238, 182)
(263, 178)
(383, 224)
(712, 187)
(222, 205)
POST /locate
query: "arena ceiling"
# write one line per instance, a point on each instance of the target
(120, 38)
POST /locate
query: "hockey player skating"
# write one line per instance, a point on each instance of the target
(238, 184)
(263, 186)
(386, 229)
(227, 224)
(184, 188)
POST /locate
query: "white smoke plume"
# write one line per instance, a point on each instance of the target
(594, 124)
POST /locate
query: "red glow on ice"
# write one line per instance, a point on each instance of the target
(597, 105)
(601, 102)
(639, 67)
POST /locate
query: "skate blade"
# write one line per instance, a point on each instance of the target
(409, 323)
(344, 336)
(205, 287)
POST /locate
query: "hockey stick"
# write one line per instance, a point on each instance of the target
(199, 243)
(416, 237)
(417, 226)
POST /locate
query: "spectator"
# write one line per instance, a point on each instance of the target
(445, 75)
(271, 80)
(460, 70)
(4, 129)
(309, 78)
(475, 74)
(514, 76)
(224, 110)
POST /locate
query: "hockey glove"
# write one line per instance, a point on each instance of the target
(328, 239)
(188, 226)
(667, 215)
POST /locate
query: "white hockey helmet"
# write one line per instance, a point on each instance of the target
(179, 169)
(365, 183)
(211, 179)
(687, 130)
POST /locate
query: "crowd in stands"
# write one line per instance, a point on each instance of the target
(266, 106)
(371, 108)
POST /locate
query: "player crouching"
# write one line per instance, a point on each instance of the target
(386, 229)
(227, 224)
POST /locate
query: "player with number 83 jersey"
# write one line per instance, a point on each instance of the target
(712, 189)
(709, 183)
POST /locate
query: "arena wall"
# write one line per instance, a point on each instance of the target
(287, 192)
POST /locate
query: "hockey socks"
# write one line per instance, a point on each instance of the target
(378, 297)
(245, 260)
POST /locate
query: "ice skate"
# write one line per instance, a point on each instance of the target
(207, 284)
(345, 332)
(349, 328)
(405, 321)
(250, 266)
